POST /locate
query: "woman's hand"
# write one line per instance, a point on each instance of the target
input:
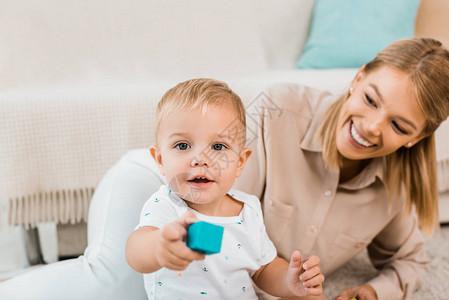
(171, 249)
(304, 278)
(363, 292)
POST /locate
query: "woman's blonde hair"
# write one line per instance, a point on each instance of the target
(200, 93)
(412, 171)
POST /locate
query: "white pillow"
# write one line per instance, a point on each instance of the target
(104, 40)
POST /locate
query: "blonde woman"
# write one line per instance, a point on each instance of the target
(338, 176)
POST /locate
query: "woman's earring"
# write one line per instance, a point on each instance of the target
(409, 144)
(351, 90)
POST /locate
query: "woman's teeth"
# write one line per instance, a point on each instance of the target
(358, 138)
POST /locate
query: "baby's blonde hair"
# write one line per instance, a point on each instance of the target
(200, 93)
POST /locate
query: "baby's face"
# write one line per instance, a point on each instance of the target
(201, 155)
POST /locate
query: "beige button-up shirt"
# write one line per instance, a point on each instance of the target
(305, 206)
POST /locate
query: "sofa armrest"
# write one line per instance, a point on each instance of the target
(102, 273)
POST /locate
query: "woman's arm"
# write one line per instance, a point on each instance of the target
(299, 278)
(398, 252)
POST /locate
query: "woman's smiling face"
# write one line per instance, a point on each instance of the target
(380, 116)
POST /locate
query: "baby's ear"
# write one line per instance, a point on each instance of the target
(244, 155)
(156, 154)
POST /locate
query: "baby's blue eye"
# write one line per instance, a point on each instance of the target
(182, 146)
(218, 147)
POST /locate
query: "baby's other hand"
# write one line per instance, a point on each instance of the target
(304, 278)
(172, 251)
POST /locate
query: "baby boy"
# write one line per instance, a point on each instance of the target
(200, 135)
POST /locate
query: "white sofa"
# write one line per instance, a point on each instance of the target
(80, 82)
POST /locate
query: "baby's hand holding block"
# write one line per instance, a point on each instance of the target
(205, 237)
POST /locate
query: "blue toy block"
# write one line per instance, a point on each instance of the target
(205, 237)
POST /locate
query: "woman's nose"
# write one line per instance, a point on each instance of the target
(373, 126)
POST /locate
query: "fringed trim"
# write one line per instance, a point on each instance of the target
(67, 206)
(443, 176)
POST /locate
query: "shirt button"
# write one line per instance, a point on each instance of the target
(313, 228)
(358, 245)
(327, 193)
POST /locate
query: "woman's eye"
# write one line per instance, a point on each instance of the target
(218, 147)
(182, 146)
(370, 101)
(398, 128)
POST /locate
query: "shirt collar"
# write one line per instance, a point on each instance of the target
(375, 169)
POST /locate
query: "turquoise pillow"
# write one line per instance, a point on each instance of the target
(349, 33)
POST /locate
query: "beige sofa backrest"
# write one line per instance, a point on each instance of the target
(433, 20)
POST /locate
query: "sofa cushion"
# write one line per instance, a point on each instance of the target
(349, 33)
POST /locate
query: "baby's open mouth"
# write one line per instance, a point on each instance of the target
(200, 180)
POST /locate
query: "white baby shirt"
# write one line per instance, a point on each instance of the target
(226, 275)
